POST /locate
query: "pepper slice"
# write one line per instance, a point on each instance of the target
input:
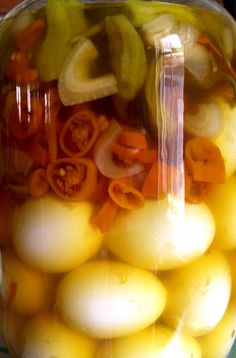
(125, 195)
(73, 178)
(204, 161)
(79, 133)
(26, 118)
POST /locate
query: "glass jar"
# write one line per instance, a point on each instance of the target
(118, 187)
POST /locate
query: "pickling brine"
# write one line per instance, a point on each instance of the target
(118, 186)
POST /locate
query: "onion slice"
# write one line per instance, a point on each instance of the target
(104, 158)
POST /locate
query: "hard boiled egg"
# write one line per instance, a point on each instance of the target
(219, 341)
(54, 235)
(110, 299)
(46, 336)
(153, 342)
(159, 236)
(222, 201)
(24, 289)
(198, 294)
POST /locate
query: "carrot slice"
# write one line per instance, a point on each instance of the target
(73, 178)
(204, 161)
(133, 138)
(52, 106)
(105, 216)
(37, 183)
(26, 118)
(31, 36)
(161, 180)
(80, 132)
(196, 192)
(37, 151)
(129, 155)
(19, 69)
(125, 195)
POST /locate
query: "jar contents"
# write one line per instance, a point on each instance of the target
(118, 186)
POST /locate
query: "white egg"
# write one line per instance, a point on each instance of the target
(159, 236)
(198, 294)
(222, 202)
(54, 235)
(218, 342)
(46, 336)
(154, 342)
(18, 278)
(110, 299)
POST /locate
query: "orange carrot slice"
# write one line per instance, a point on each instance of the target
(19, 69)
(161, 180)
(204, 161)
(105, 216)
(31, 36)
(73, 178)
(37, 151)
(125, 195)
(52, 106)
(129, 155)
(132, 138)
(37, 183)
(26, 118)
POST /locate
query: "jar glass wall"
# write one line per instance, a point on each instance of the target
(117, 173)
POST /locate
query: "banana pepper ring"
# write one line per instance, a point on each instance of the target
(73, 178)
(79, 133)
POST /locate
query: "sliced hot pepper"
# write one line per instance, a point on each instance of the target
(125, 195)
(204, 161)
(26, 118)
(196, 192)
(80, 133)
(73, 178)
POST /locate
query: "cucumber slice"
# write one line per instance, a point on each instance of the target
(128, 57)
(76, 83)
(57, 43)
(152, 31)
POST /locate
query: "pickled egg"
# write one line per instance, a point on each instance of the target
(198, 294)
(219, 341)
(154, 342)
(25, 290)
(231, 257)
(110, 299)
(54, 235)
(222, 201)
(46, 336)
(159, 236)
(12, 324)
